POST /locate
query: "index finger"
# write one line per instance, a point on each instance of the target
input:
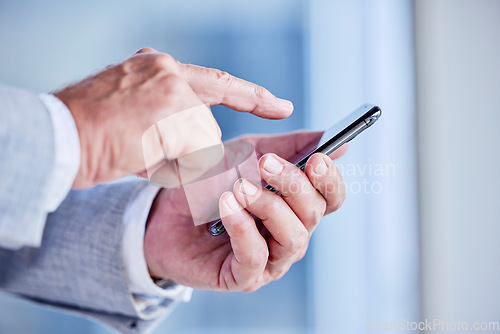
(216, 87)
(250, 252)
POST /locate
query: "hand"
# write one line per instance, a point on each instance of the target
(113, 109)
(253, 252)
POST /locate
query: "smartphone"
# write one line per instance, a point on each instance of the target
(336, 136)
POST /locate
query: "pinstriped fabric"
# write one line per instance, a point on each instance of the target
(79, 266)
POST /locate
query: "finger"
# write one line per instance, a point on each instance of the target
(289, 237)
(160, 63)
(289, 145)
(326, 178)
(216, 87)
(296, 189)
(249, 247)
(147, 65)
(339, 152)
(294, 144)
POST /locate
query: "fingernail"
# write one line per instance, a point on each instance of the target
(285, 104)
(247, 188)
(321, 168)
(272, 165)
(232, 203)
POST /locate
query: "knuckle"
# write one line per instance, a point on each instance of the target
(146, 50)
(342, 195)
(260, 92)
(335, 192)
(121, 69)
(301, 254)
(278, 273)
(222, 76)
(270, 206)
(172, 82)
(252, 288)
(339, 198)
(224, 79)
(240, 228)
(300, 240)
(336, 205)
(303, 237)
(163, 61)
(257, 258)
(319, 212)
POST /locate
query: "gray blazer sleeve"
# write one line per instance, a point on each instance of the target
(27, 159)
(79, 266)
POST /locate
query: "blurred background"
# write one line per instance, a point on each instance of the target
(417, 237)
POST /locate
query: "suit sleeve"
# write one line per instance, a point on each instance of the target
(27, 159)
(79, 266)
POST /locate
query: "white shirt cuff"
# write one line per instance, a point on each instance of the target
(67, 152)
(150, 300)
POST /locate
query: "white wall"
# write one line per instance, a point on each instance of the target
(458, 76)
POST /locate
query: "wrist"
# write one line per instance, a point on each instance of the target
(151, 247)
(86, 175)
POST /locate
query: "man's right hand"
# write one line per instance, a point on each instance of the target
(115, 107)
(266, 232)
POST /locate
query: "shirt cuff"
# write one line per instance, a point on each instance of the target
(150, 300)
(67, 152)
